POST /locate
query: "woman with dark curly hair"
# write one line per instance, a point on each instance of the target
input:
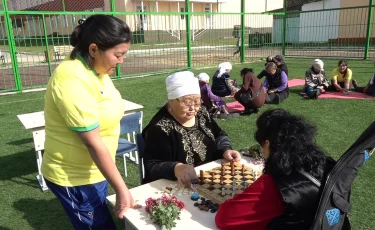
(283, 197)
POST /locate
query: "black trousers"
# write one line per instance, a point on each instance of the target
(333, 89)
(278, 97)
(370, 90)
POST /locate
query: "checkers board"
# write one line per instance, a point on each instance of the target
(213, 190)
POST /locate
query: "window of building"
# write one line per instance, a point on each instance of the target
(182, 10)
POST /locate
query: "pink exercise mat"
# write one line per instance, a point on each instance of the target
(235, 107)
(296, 82)
(352, 95)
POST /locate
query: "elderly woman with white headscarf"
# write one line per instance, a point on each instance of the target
(222, 85)
(316, 81)
(182, 134)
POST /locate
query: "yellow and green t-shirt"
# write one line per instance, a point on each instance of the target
(339, 77)
(78, 100)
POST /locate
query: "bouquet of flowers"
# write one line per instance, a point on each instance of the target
(164, 211)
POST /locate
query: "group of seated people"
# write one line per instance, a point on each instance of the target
(183, 135)
(252, 94)
(317, 83)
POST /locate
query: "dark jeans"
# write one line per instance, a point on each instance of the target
(277, 98)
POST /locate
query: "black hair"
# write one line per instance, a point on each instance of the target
(104, 30)
(244, 71)
(292, 143)
(345, 62)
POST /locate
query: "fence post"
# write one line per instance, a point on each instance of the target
(113, 10)
(242, 31)
(369, 27)
(188, 35)
(63, 5)
(47, 47)
(12, 47)
(284, 28)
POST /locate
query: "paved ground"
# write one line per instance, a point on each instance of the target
(34, 73)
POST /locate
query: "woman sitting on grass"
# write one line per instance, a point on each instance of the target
(222, 85)
(214, 104)
(341, 77)
(275, 85)
(316, 81)
(251, 95)
(282, 198)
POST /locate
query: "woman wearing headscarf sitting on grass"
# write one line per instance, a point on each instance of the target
(222, 85)
(316, 81)
(214, 104)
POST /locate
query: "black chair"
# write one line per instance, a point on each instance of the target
(140, 149)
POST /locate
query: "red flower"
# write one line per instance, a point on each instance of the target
(165, 206)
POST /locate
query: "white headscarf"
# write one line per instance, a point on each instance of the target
(181, 84)
(318, 65)
(203, 77)
(223, 68)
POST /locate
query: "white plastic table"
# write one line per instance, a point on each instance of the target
(36, 123)
(191, 217)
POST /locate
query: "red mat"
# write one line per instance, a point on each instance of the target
(296, 82)
(235, 107)
(352, 95)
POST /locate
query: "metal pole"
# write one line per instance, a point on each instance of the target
(46, 41)
(217, 6)
(242, 31)
(113, 10)
(63, 5)
(284, 28)
(12, 47)
(369, 27)
(188, 35)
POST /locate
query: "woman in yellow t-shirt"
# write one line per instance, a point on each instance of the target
(341, 77)
(82, 113)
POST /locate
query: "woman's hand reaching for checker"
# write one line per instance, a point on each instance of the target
(232, 155)
(185, 174)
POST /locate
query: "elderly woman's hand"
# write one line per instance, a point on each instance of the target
(232, 155)
(185, 174)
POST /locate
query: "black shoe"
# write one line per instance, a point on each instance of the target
(247, 112)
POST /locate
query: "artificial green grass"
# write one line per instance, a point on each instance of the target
(339, 122)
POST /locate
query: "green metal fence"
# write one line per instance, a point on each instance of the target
(34, 34)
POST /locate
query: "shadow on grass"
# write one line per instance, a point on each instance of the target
(296, 91)
(4, 228)
(21, 142)
(43, 214)
(17, 166)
